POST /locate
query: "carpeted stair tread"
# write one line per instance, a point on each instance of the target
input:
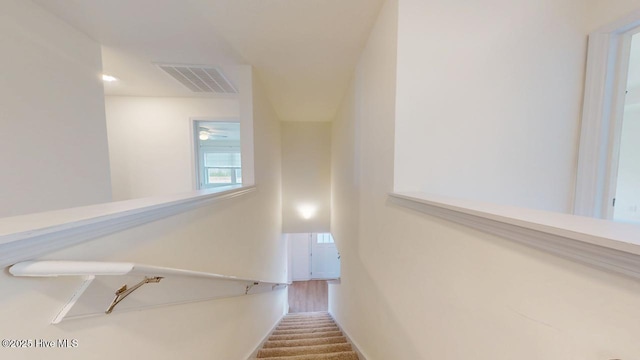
(305, 326)
(305, 336)
(317, 322)
(308, 316)
(303, 350)
(306, 330)
(301, 321)
(345, 355)
(302, 318)
(314, 321)
(304, 342)
(308, 313)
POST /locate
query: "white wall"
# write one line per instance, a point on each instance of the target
(300, 249)
(306, 175)
(417, 287)
(151, 142)
(52, 104)
(603, 12)
(241, 236)
(489, 99)
(361, 176)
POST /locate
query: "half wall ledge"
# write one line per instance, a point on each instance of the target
(30, 236)
(604, 244)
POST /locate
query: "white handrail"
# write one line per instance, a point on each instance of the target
(101, 281)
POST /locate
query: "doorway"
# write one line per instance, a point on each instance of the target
(627, 173)
(608, 175)
(314, 256)
(313, 259)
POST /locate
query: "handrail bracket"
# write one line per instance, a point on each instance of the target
(249, 287)
(123, 292)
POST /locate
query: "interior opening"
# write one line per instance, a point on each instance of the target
(218, 157)
(313, 260)
(627, 194)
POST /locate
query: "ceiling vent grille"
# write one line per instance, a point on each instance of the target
(200, 79)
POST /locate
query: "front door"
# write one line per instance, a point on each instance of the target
(325, 261)
(314, 256)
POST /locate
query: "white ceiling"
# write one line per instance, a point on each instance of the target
(304, 51)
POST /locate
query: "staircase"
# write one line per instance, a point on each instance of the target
(307, 336)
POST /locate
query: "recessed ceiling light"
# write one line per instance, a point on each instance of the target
(108, 78)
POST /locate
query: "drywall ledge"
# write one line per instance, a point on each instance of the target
(102, 280)
(604, 244)
(30, 236)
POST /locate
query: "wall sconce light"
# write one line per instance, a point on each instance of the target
(108, 78)
(307, 211)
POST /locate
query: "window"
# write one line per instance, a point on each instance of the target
(219, 161)
(324, 238)
(222, 167)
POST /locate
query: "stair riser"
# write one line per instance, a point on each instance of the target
(304, 350)
(285, 321)
(304, 342)
(318, 324)
(304, 326)
(306, 336)
(305, 320)
(305, 331)
(348, 355)
(307, 317)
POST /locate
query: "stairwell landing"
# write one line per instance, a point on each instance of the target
(307, 336)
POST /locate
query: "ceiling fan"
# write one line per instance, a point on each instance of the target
(206, 134)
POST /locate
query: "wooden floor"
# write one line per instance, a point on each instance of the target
(305, 296)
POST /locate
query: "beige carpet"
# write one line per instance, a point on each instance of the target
(307, 336)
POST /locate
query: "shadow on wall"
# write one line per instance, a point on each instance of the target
(361, 320)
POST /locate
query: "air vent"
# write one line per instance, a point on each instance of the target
(200, 79)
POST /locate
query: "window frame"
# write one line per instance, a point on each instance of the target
(323, 235)
(603, 109)
(198, 156)
(202, 165)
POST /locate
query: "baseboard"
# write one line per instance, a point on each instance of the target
(354, 345)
